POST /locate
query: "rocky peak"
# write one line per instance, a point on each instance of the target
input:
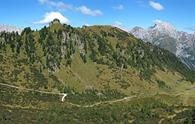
(163, 28)
(139, 32)
(137, 28)
(165, 34)
(160, 25)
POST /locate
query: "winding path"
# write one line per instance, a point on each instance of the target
(103, 102)
(32, 90)
(70, 103)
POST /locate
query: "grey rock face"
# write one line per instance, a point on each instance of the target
(164, 35)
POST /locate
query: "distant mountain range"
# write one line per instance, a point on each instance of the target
(165, 35)
(8, 28)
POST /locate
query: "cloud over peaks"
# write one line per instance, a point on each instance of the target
(50, 16)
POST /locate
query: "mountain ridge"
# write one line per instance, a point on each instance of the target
(182, 43)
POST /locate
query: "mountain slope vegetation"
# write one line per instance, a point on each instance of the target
(109, 76)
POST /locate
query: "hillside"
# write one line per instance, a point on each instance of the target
(109, 76)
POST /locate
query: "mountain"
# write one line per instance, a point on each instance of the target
(8, 28)
(165, 35)
(93, 74)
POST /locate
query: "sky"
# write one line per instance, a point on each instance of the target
(124, 13)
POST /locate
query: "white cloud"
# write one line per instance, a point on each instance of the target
(57, 4)
(86, 11)
(156, 5)
(50, 16)
(119, 7)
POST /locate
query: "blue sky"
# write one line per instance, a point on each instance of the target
(126, 13)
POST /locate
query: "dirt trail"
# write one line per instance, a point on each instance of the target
(32, 90)
(105, 102)
(70, 103)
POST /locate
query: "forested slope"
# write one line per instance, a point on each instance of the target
(100, 65)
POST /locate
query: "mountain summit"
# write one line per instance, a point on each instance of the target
(163, 28)
(165, 35)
